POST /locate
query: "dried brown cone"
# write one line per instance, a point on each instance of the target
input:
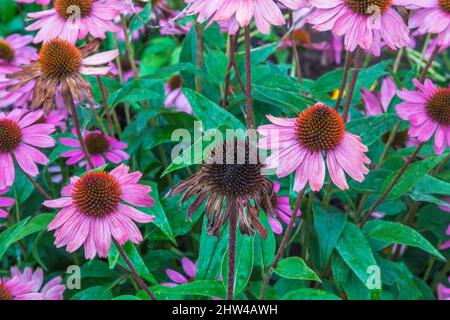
(56, 69)
(230, 178)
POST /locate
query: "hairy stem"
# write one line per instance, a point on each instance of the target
(106, 106)
(347, 65)
(248, 78)
(134, 273)
(295, 55)
(231, 253)
(427, 67)
(129, 46)
(199, 55)
(282, 247)
(392, 185)
(351, 86)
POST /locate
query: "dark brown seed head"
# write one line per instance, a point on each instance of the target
(10, 135)
(369, 7)
(96, 143)
(438, 107)
(6, 51)
(234, 169)
(59, 59)
(96, 194)
(445, 5)
(320, 128)
(5, 294)
(73, 8)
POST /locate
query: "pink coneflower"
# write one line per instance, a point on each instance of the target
(281, 208)
(241, 12)
(60, 68)
(175, 97)
(443, 292)
(75, 19)
(56, 117)
(428, 110)
(177, 278)
(363, 22)
(15, 51)
(4, 203)
(300, 144)
(19, 97)
(52, 290)
(15, 289)
(19, 135)
(92, 211)
(432, 16)
(99, 145)
(378, 102)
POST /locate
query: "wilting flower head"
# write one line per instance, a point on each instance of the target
(93, 211)
(60, 68)
(19, 135)
(363, 22)
(5, 202)
(281, 208)
(428, 110)
(300, 145)
(175, 97)
(229, 180)
(241, 12)
(75, 19)
(99, 145)
(52, 290)
(177, 278)
(432, 16)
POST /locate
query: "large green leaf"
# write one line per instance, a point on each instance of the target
(414, 173)
(370, 129)
(309, 294)
(295, 268)
(356, 252)
(393, 232)
(329, 226)
(209, 288)
(265, 248)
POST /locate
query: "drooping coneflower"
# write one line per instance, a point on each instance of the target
(364, 23)
(5, 202)
(19, 137)
(99, 145)
(300, 144)
(281, 209)
(92, 211)
(75, 19)
(241, 12)
(60, 68)
(230, 179)
(52, 290)
(428, 110)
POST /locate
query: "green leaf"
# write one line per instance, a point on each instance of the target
(243, 263)
(432, 185)
(114, 257)
(329, 226)
(23, 229)
(265, 248)
(393, 232)
(212, 115)
(209, 288)
(370, 129)
(295, 268)
(356, 252)
(212, 251)
(94, 293)
(309, 294)
(157, 210)
(408, 180)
